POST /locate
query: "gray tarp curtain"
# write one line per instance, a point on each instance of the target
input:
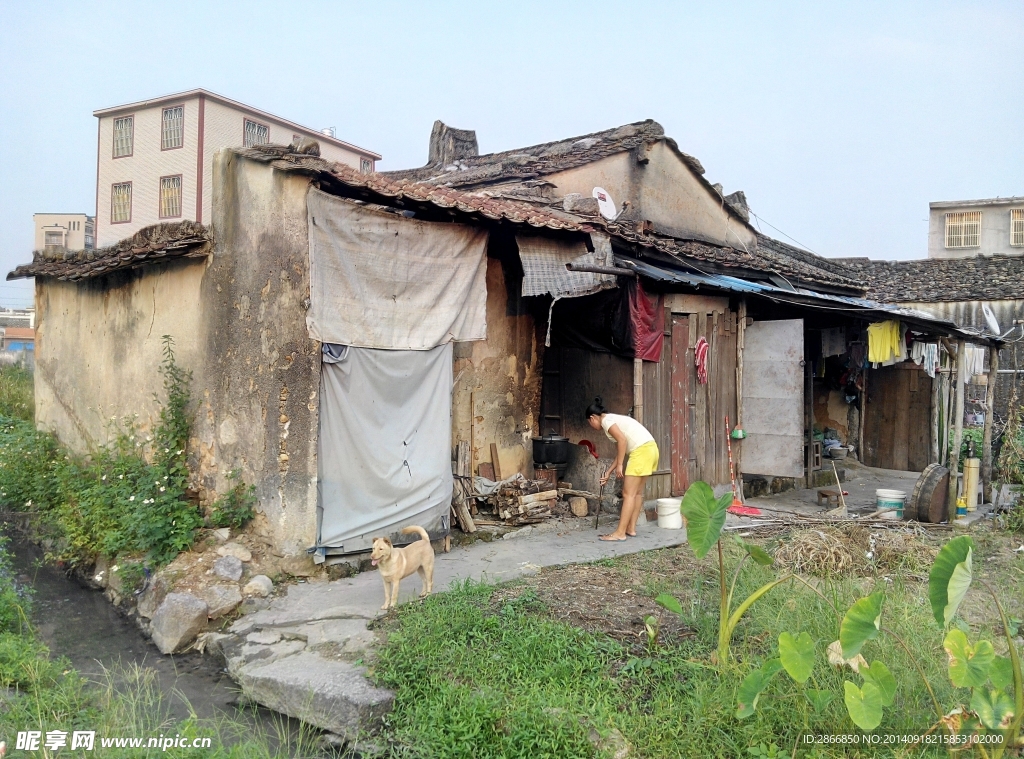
(381, 280)
(385, 443)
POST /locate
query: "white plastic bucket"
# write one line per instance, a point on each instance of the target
(669, 516)
(891, 499)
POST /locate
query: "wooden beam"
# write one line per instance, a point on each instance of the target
(986, 440)
(496, 463)
(934, 456)
(638, 389)
(958, 423)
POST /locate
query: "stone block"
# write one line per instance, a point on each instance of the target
(260, 585)
(331, 695)
(151, 598)
(754, 486)
(228, 568)
(178, 620)
(221, 599)
(298, 566)
(235, 549)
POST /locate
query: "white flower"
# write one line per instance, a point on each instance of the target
(120, 476)
(167, 450)
(114, 568)
(132, 498)
(166, 476)
(104, 478)
(162, 489)
(28, 503)
(174, 523)
(180, 452)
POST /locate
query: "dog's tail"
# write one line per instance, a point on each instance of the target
(418, 530)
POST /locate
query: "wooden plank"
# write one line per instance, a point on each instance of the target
(495, 463)
(684, 303)
(680, 405)
(919, 427)
(901, 423)
(700, 421)
(547, 495)
(986, 435)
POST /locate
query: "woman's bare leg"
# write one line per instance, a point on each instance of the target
(631, 498)
(638, 506)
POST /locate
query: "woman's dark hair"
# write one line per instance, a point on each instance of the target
(596, 408)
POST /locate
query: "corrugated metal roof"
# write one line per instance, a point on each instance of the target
(805, 298)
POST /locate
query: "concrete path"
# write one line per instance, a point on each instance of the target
(298, 656)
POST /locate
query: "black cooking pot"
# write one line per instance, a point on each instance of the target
(550, 449)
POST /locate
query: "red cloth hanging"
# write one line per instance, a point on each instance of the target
(647, 321)
(700, 359)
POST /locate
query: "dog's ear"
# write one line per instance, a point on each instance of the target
(387, 540)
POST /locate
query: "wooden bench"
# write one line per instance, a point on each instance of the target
(830, 497)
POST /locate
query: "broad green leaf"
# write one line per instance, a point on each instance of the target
(879, 675)
(861, 624)
(1001, 672)
(757, 553)
(752, 685)
(704, 516)
(820, 699)
(968, 665)
(944, 591)
(669, 602)
(797, 655)
(994, 708)
(863, 704)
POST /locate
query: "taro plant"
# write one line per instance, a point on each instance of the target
(975, 666)
(705, 518)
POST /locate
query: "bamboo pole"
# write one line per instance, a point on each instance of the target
(638, 389)
(958, 422)
(986, 440)
(935, 456)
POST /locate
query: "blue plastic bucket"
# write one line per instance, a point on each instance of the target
(891, 499)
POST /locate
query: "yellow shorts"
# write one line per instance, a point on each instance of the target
(643, 461)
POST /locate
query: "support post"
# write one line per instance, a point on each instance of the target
(935, 457)
(986, 440)
(861, 455)
(638, 389)
(741, 333)
(958, 421)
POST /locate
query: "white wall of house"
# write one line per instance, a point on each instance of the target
(211, 122)
(75, 230)
(995, 233)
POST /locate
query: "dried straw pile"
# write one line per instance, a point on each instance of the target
(830, 551)
(821, 552)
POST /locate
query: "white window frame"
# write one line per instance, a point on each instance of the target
(170, 197)
(963, 230)
(251, 130)
(125, 189)
(172, 130)
(47, 236)
(124, 137)
(1017, 227)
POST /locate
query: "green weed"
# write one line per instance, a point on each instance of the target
(236, 507)
(16, 393)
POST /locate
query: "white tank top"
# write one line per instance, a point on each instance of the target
(636, 434)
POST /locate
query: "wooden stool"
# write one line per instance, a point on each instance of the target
(831, 497)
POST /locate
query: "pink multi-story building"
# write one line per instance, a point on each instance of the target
(155, 157)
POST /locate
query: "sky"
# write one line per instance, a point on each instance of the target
(840, 120)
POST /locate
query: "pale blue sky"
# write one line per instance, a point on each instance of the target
(841, 121)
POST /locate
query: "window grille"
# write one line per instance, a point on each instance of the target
(172, 134)
(121, 203)
(256, 134)
(123, 133)
(365, 166)
(963, 229)
(1017, 227)
(54, 238)
(170, 196)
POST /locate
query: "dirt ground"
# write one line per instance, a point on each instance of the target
(614, 597)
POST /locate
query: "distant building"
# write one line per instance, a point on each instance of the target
(18, 317)
(155, 157)
(18, 338)
(967, 228)
(74, 231)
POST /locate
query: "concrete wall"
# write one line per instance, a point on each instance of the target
(995, 230)
(238, 319)
(498, 380)
(664, 191)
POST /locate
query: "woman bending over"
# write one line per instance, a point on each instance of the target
(632, 439)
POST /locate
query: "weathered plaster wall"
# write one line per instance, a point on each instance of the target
(500, 376)
(99, 347)
(831, 410)
(258, 398)
(664, 190)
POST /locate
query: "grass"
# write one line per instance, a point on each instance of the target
(16, 393)
(484, 671)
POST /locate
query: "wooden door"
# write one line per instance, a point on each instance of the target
(897, 424)
(683, 380)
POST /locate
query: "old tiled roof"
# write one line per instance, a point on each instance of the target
(483, 204)
(540, 160)
(160, 242)
(938, 280)
(496, 204)
(815, 267)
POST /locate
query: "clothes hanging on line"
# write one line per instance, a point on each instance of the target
(883, 341)
(926, 355)
(700, 360)
(833, 342)
(975, 361)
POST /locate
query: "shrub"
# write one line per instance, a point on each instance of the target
(235, 508)
(16, 396)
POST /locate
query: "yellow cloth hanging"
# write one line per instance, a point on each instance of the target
(883, 341)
